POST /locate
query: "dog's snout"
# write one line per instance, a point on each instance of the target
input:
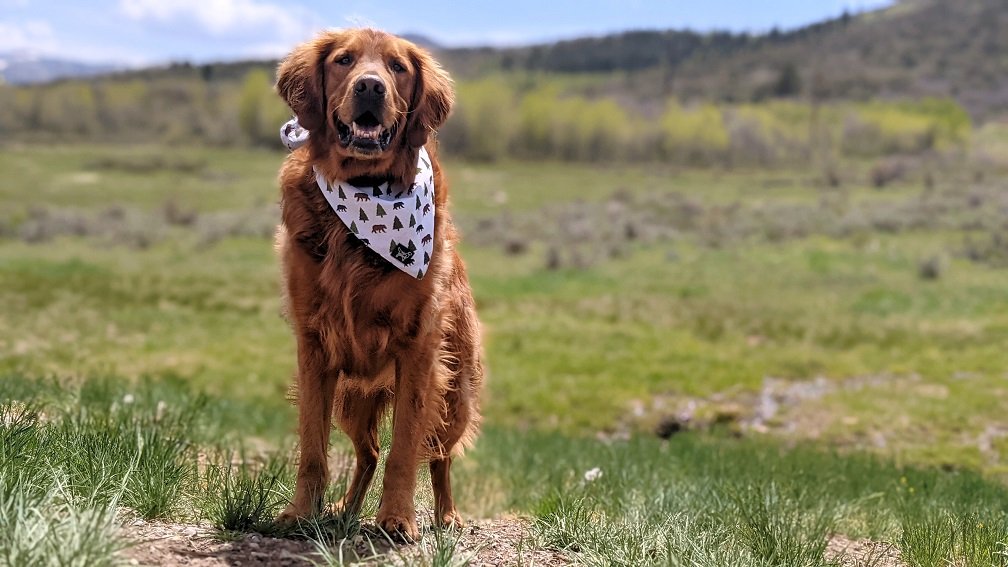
(369, 85)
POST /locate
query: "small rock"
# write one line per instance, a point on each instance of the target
(669, 427)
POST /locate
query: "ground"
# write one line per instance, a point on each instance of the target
(483, 543)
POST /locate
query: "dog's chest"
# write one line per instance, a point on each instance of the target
(369, 311)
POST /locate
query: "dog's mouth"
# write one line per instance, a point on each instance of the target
(365, 133)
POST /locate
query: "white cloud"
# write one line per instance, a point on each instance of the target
(34, 36)
(224, 18)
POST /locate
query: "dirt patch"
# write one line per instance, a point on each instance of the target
(483, 543)
(780, 406)
(862, 553)
(201, 546)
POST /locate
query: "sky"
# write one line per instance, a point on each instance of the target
(139, 32)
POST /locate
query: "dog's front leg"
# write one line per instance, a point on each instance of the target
(316, 387)
(410, 428)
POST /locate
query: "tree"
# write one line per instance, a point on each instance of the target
(260, 111)
(788, 82)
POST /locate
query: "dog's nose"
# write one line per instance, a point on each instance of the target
(369, 85)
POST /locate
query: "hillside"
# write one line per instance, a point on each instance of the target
(21, 67)
(915, 48)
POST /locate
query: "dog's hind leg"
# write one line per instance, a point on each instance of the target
(444, 505)
(457, 424)
(460, 361)
(358, 415)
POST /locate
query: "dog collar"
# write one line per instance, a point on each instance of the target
(394, 220)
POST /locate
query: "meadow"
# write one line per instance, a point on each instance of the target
(760, 362)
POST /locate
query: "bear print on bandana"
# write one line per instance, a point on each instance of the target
(396, 221)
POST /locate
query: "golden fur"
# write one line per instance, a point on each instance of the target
(370, 337)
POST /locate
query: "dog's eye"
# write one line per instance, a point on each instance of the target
(397, 67)
(345, 60)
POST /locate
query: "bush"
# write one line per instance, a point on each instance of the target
(694, 135)
(479, 129)
(260, 111)
(881, 128)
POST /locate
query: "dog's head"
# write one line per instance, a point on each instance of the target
(365, 95)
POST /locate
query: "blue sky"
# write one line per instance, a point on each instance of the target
(152, 31)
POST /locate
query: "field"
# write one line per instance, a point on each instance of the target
(823, 349)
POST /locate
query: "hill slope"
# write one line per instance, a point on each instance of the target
(22, 68)
(915, 48)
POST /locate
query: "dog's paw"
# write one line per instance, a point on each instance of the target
(399, 525)
(451, 520)
(291, 516)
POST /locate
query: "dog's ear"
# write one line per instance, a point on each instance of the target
(433, 97)
(300, 81)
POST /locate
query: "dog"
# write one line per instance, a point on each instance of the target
(372, 337)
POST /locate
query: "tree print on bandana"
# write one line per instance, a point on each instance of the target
(364, 210)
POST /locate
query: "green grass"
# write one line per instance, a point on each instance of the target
(178, 312)
(573, 349)
(706, 500)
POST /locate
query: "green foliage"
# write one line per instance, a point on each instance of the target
(552, 123)
(260, 111)
(695, 135)
(501, 116)
(480, 128)
(880, 128)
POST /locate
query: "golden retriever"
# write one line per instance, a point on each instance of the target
(369, 336)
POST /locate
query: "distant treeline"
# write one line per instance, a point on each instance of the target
(628, 51)
(502, 116)
(497, 119)
(172, 107)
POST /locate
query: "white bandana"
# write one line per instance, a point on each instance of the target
(394, 220)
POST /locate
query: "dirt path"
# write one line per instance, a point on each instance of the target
(862, 552)
(483, 543)
(501, 541)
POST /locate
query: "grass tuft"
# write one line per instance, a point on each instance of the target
(148, 457)
(780, 528)
(243, 496)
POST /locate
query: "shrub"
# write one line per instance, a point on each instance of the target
(694, 135)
